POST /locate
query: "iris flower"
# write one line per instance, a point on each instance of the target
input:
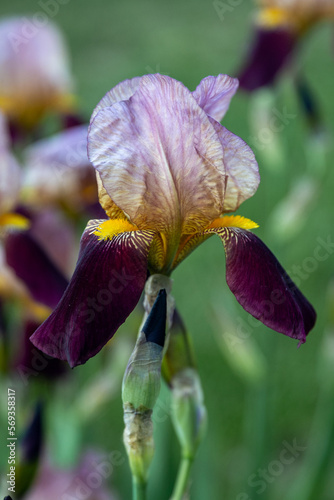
(280, 24)
(26, 271)
(34, 68)
(168, 172)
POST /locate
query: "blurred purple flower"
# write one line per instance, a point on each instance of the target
(280, 25)
(87, 480)
(34, 68)
(27, 274)
(58, 172)
(167, 170)
(10, 180)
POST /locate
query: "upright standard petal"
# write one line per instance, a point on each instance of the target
(122, 92)
(159, 158)
(106, 285)
(214, 94)
(262, 286)
(241, 169)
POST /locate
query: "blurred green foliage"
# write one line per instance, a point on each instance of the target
(110, 41)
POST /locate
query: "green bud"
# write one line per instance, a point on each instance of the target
(188, 411)
(141, 387)
(154, 284)
(141, 383)
(179, 354)
(138, 440)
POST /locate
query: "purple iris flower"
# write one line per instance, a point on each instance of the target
(167, 172)
(280, 24)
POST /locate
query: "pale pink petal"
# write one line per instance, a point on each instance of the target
(58, 171)
(54, 483)
(241, 168)
(33, 60)
(56, 235)
(122, 92)
(159, 158)
(214, 94)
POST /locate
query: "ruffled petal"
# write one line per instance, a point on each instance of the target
(159, 158)
(188, 243)
(262, 286)
(110, 208)
(106, 285)
(241, 168)
(214, 94)
(122, 92)
(270, 52)
(33, 266)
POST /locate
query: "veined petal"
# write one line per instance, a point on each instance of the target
(106, 285)
(122, 92)
(214, 94)
(188, 243)
(110, 208)
(235, 221)
(159, 158)
(262, 286)
(241, 168)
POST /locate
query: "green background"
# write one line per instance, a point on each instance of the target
(262, 391)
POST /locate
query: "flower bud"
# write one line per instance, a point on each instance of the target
(188, 411)
(141, 387)
(141, 383)
(179, 354)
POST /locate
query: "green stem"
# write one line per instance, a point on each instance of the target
(182, 480)
(138, 489)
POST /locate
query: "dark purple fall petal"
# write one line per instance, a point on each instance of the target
(270, 51)
(33, 266)
(262, 287)
(106, 285)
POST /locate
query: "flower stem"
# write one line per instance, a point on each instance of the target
(138, 489)
(182, 480)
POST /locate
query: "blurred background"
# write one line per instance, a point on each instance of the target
(263, 395)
